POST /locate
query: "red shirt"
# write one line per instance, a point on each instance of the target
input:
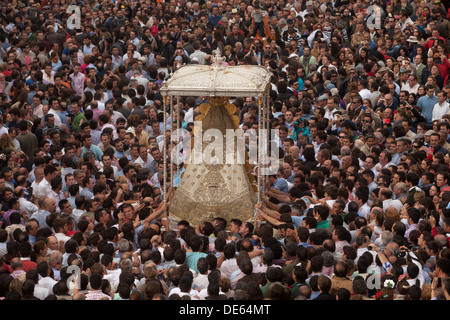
(28, 265)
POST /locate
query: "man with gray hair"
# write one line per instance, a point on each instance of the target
(125, 265)
(17, 267)
(46, 206)
(124, 246)
(385, 238)
(55, 260)
(400, 191)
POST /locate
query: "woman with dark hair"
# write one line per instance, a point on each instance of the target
(420, 50)
(217, 41)
(317, 81)
(362, 57)
(412, 99)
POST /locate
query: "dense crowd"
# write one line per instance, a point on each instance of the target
(359, 208)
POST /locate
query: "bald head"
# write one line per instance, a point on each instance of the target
(294, 151)
(49, 205)
(16, 263)
(341, 269)
(19, 192)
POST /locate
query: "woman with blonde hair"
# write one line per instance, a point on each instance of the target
(6, 144)
(225, 286)
(16, 285)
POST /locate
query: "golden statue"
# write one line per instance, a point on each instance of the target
(217, 188)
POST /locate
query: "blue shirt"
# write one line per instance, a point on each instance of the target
(297, 221)
(214, 20)
(426, 104)
(192, 259)
(88, 194)
(282, 185)
(96, 150)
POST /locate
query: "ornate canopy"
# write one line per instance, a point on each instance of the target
(217, 80)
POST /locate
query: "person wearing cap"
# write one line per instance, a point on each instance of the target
(289, 25)
(309, 9)
(427, 136)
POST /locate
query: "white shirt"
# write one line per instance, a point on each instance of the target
(48, 283)
(143, 163)
(136, 55)
(76, 214)
(57, 117)
(193, 293)
(397, 204)
(27, 206)
(365, 94)
(228, 267)
(439, 110)
(364, 211)
(40, 292)
(61, 237)
(57, 197)
(3, 130)
(407, 87)
(44, 188)
(379, 165)
(201, 281)
(360, 252)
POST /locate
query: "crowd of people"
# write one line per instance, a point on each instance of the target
(359, 209)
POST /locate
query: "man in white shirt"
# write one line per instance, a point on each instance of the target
(48, 74)
(60, 227)
(331, 108)
(45, 281)
(384, 160)
(25, 205)
(364, 92)
(361, 198)
(201, 280)
(441, 108)
(412, 85)
(386, 196)
(44, 187)
(229, 266)
(145, 159)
